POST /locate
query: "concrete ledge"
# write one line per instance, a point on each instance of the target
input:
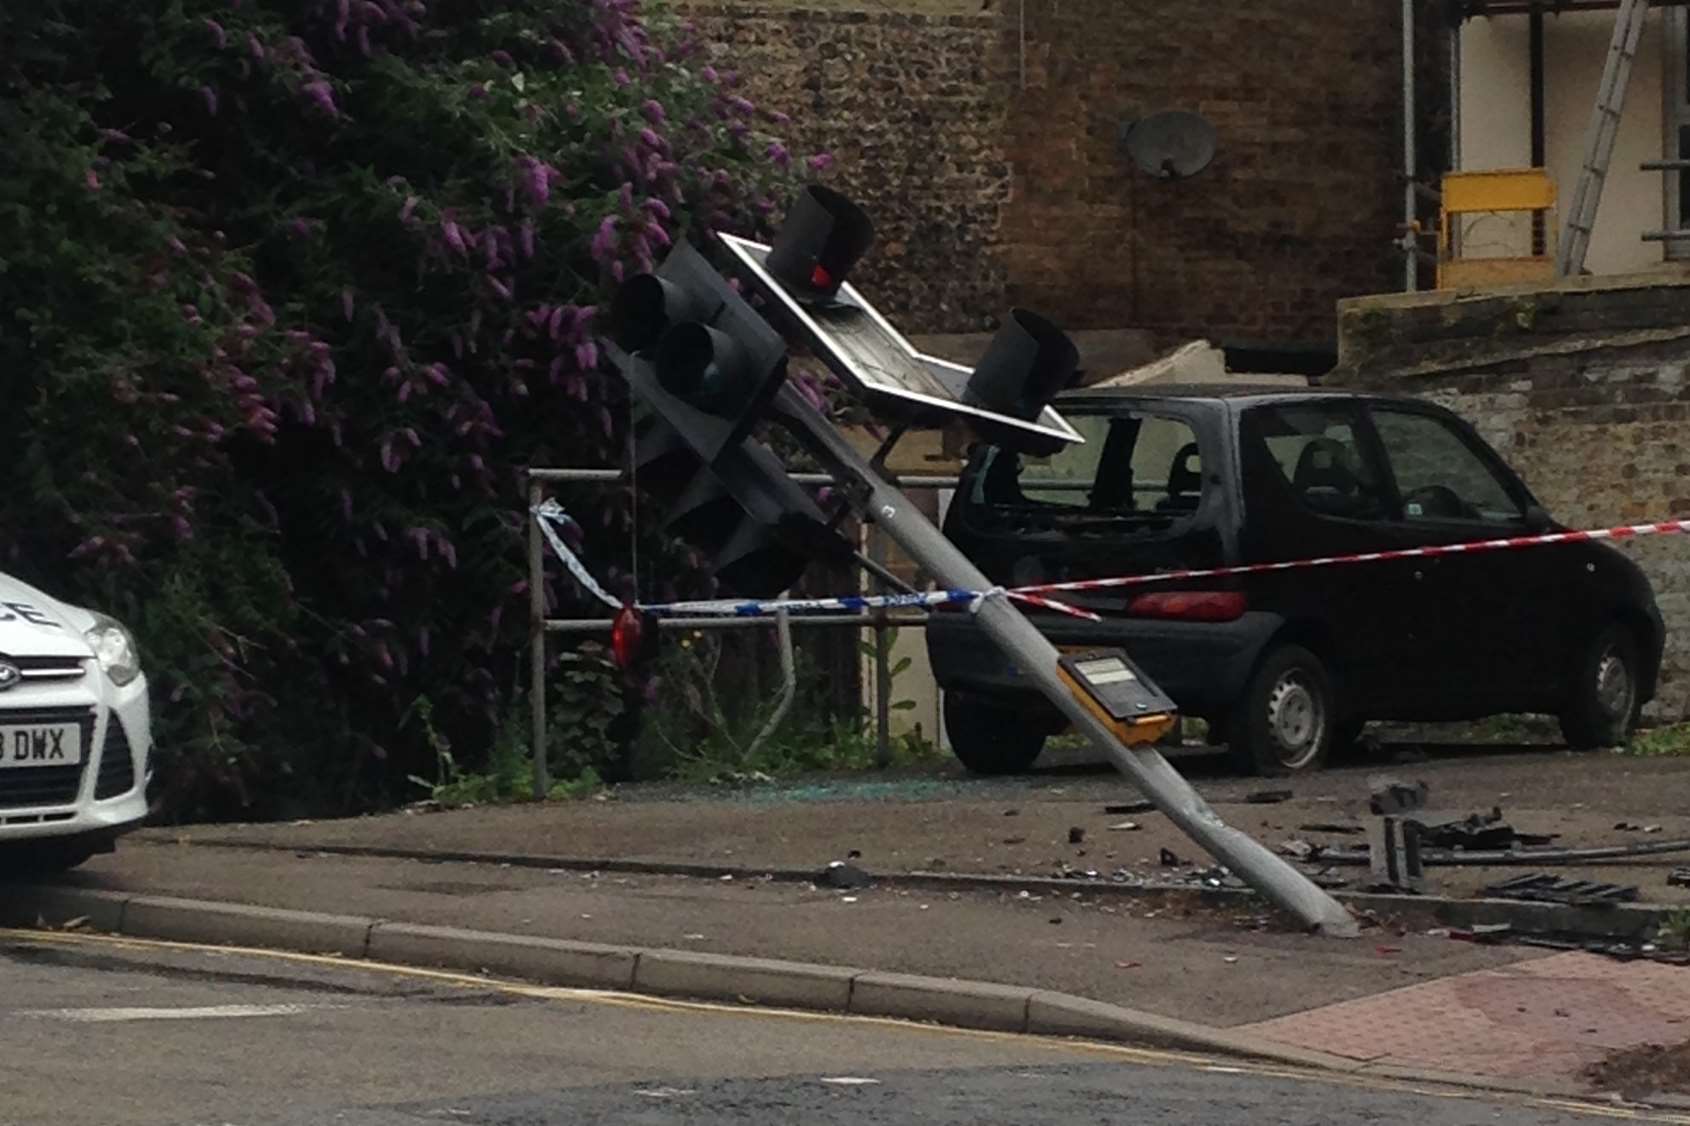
(1063, 1014)
(1417, 911)
(30, 905)
(951, 1001)
(763, 981)
(967, 1004)
(235, 924)
(551, 961)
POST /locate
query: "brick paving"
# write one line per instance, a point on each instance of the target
(1546, 1018)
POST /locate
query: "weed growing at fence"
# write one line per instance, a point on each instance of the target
(696, 732)
(1658, 741)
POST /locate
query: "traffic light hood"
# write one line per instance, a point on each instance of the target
(823, 237)
(1028, 362)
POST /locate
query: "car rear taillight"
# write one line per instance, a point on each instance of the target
(1190, 605)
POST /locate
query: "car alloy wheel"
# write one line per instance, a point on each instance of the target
(1615, 693)
(1296, 719)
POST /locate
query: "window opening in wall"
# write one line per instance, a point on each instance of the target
(1676, 143)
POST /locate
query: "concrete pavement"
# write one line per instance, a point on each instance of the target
(1214, 967)
(101, 1031)
(1146, 964)
(1023, 826)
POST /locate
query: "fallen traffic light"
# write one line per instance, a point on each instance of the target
(1028, 362)
(705, 365)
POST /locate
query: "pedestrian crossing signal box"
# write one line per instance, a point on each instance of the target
(1113, 690)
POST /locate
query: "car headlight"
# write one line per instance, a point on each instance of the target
(115, 649)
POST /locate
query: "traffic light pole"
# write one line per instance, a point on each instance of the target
(1037, 659)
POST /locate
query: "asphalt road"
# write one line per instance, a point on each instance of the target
(99, 1031)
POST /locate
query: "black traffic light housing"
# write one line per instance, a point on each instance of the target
(705, 365)
(695, 352)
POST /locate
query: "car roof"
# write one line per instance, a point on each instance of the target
(1239, 394)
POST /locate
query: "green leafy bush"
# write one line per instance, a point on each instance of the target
(290, 294)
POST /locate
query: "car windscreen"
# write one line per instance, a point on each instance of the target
(1134, 471)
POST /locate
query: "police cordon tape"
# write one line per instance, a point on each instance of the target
(551, 513)
(1036, 595)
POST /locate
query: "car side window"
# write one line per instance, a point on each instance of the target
(1440, 476)
(1128, 463)
(1319, 455)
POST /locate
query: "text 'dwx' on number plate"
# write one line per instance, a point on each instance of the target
(40, 744)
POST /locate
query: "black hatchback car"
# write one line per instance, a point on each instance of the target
(1288, 666)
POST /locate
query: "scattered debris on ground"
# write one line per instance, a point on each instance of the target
(1620, 949)
(1482, 933)
(1170, 859)
(1540, 887)
(1269, 797)
(1299, 850)
(1130, 807)
(841, 875)
(1636, 1073)
(1481, 831)
(1392, 795)
(1124, 827)
(1331, 827)
(1679, 877)
(1076, 835)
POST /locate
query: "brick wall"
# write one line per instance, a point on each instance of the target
(913, 105)
(991, 158)
(1584, 388)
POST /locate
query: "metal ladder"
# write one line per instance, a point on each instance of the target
(1599, 141)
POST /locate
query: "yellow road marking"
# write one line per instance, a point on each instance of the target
(1148, 1057)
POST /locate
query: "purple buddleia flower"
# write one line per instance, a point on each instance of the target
(653, 111)
(620, 77)
(218, 35)
(503, 57)
(254, 47)
(346, 303)
(525, 237)
(587, 355)
(92, 179)
(499, 287)
(604, 242)
(453, 234)
(658, 208)
(321, 95)
(410, 206)
(650, 139)
(778, 154)
(209, 97)
(821, 162)
(343, 13)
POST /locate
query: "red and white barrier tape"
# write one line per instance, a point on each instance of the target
(1624, 532)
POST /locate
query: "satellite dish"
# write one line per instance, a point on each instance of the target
(1170, 145)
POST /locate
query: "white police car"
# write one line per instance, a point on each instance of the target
(75, 733)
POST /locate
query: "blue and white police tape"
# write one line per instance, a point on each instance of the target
(550, 512)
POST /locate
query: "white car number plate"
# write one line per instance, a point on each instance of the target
(40, 744)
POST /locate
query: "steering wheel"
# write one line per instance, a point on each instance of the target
(1440, 500)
